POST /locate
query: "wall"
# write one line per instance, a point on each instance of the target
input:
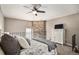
(71, 24)
(15, 25)
(1, 21)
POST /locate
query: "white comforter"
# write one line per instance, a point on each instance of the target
(38, 48)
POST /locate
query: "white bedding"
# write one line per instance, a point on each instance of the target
(38, 48)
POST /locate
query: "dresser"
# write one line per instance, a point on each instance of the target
(58, 36)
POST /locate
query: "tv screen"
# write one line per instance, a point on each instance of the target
(59, 26)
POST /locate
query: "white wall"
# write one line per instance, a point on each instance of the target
(71, 24)
(1, 21)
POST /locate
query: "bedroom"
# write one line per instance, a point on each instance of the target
(41, 25)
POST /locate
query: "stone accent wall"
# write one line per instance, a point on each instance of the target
(39, 29)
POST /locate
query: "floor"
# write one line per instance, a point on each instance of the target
(65, 50)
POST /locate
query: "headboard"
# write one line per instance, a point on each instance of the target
(17, 33)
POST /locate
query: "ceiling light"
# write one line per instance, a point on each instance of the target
(34, 12)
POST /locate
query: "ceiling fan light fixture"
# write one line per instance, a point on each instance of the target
(34, 12)
(35, 9)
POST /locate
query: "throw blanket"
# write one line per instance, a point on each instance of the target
(51, 45)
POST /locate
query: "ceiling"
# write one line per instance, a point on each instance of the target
(18, 11)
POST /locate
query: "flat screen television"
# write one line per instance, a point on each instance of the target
(59, 26)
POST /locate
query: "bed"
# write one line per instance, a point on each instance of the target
(39, 47)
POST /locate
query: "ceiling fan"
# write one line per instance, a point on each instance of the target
(35, 9)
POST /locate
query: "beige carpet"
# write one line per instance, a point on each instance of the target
(65, 50)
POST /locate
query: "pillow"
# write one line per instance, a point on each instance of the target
(23, 42)
(0, 39)
(10, 45)
(28, 41)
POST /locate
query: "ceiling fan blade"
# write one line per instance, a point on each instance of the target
(36, 6)
(40, 11)
(29, 12)
(28, 7)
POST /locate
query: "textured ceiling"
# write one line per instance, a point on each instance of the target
(52, 11)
